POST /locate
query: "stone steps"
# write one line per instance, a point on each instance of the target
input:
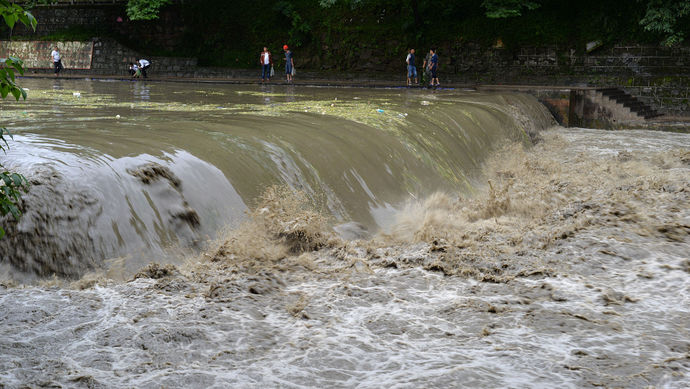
(631, 102)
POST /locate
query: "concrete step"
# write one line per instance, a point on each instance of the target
(636, 106)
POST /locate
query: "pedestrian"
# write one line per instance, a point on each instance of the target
(433, 67)
(289, 63)
(426, 74)
(143, 65)
(132, 69)
(57, 60)
(411, 68)
(266, 61)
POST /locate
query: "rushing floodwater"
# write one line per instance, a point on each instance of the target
(137, 170)
(499, 265)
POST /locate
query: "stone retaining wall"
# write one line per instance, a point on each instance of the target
(112, 58)
(658, 76)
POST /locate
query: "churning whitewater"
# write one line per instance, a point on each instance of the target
(551, 257)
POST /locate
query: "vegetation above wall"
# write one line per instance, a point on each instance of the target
(337, 34)
(230, 36)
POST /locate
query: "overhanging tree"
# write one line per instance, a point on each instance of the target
(145, 9)
(667, 17)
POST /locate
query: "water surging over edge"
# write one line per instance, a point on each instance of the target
(445, 143)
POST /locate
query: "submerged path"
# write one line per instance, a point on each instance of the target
(310, 81)
(547, 94)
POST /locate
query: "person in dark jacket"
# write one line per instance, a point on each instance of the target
(433, 67)
(411, 68)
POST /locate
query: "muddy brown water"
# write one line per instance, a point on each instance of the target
(487, 262)
(142, 170)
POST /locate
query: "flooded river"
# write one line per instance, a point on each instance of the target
(181, 235)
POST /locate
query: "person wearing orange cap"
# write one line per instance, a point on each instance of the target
(289, 64)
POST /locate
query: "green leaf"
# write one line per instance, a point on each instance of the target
(10, 19)
(10, 75)
(16, 63)
(14, 211)
(3, 131)
(16, 93)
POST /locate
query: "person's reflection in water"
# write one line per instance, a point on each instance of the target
(290, 94)
(142, 91)
(268, 90)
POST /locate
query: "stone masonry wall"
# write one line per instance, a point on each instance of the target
(54, 19)
(658, 76)
(112, 59)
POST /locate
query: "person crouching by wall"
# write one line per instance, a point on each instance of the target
(57, 60)
(134, 70)
(143, 65)
(266, 61)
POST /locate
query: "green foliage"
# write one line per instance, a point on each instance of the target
(13, 13)
(7, 78)
(341, 34)
(667, 17)
(507, 8)
(145, 9)
(11, 183)
(298, 34)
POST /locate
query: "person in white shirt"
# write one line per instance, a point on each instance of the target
(57, 60)
(143, 65)
(266, 61)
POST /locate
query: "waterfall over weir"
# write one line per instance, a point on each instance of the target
(142, 170)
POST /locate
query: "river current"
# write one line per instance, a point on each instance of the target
(475, 244)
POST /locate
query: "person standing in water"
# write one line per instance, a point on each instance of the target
(433, 67)
(266, 62)
(411, 68)
(289, 63)
(57, 60)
